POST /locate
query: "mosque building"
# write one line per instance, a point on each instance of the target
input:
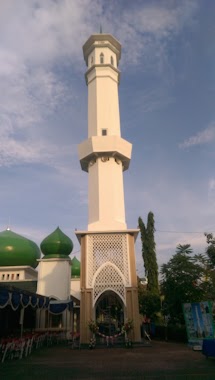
(103, 286)
(55, 276)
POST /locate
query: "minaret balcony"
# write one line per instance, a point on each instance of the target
(108, 146)
(101, 40)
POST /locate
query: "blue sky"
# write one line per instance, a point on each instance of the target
(167, 94)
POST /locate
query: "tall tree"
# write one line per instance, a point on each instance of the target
(185, 248)
(149, 253)
(143, 237)
(181, 281)
(207, 262)
(207, 283)
(211, 247)
(149, 303)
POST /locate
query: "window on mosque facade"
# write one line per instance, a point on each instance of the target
(104, 132)
(3, 277)
(101, 58)
(56, 320)
(111, 61)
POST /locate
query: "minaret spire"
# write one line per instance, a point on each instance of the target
(104, 155)
(108, 270)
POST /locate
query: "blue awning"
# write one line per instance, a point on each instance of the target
(58, 307)
(16, 297)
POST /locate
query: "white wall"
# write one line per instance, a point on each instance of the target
(106, 196)
(17, 273)
(103, 101)
(75, 289)
(54, 278)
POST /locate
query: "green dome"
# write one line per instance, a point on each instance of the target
(56, 245)
(76, 268)
(15, 250)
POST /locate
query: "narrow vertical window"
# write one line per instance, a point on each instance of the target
(17, 276)
(101, 58)
(111, 61)
(91, 60)
(104, 132)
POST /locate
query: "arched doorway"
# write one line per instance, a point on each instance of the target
(109, 313)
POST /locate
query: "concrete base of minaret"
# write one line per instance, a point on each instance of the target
(108, 266)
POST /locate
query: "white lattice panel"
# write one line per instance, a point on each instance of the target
(107, 248)
(108, 278)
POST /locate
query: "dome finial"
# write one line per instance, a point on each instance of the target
(8, 226)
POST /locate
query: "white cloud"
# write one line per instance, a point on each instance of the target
(47, 30)
(211, 191)
(39, 40)
(13, 152)
(212, 184)
(166, 244)
(150, 100)
(48, 34)
(182, 211)
(146, 28)
(203, 137)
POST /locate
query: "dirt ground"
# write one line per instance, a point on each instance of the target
(161, 360)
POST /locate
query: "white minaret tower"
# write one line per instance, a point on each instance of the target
(104, 155)
(107, 247)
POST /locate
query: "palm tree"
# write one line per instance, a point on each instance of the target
(184, 249)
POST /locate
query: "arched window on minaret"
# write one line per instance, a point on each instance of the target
(101, 58)
(111, 61)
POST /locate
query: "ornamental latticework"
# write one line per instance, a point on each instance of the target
(107, 263)
(108, 278)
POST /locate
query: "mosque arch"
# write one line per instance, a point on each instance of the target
(108, 277)
(109, 313)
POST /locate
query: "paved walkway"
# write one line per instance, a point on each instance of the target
(163, 361)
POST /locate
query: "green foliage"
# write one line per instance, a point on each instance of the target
(149, 304)
(211, 248)
(188, 278)
(149, 253)
(182, 278)
(207, 283)
(186, 248)
(143, 236)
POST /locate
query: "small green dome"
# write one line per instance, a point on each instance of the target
(76, 268)
(16, 250)
(56, 245)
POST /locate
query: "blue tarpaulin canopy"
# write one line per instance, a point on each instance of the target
(16, 297)
(58, 307)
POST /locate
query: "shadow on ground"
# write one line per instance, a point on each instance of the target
(161, 360)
